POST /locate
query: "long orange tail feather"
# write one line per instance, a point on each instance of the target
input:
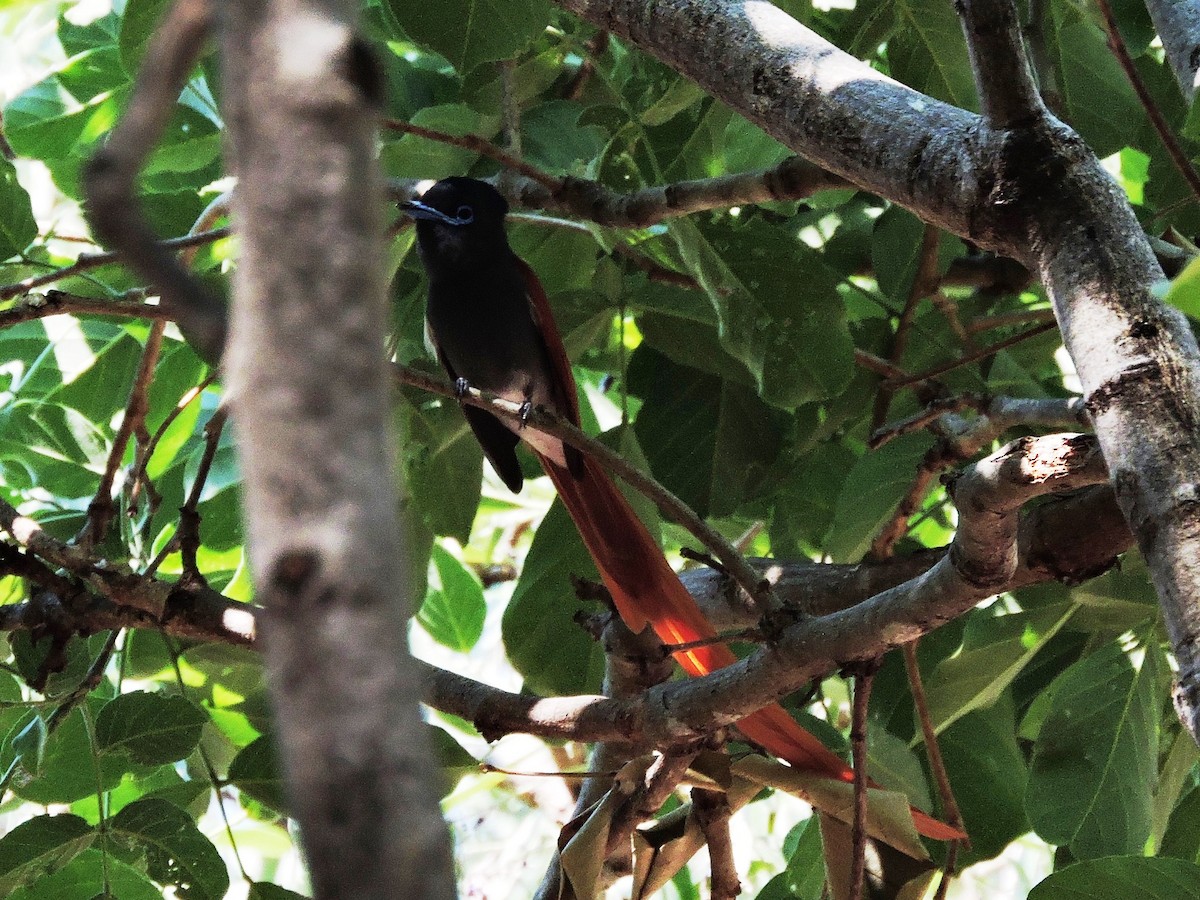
(647, 591)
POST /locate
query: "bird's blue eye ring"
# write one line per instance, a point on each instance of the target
(465, 215)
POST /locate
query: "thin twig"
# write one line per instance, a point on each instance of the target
(476, 144)
(933, 751)
(100, 510)
(88, 261)
(712, 812)
(933, 411)
(979, 354)
(1004, 320)
(189, 517)
(863, 682)
(147, 450)
(1116, 43)
(878, 365)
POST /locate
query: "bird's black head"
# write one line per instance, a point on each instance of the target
(460, 221)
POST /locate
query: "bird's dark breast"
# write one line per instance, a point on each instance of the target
(483, 327)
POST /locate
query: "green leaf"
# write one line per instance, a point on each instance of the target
(553, 138)
(896, 252)
(987, 771)
(68, 769)
(152, 728)
(896, 767)
(30, 744)
(1184, 292)
(928, 52)
(40, 846)
(470, 32)
(796, 344)
(442, 465)
(255, 771)
(17, 227)
(175, 851)
(85, 878)
(873, 490)
(1100, 104)
(805, 502)
(454, 607)
(417, 157)
(1182, 838)
(540, 634)
(708, 441)
(1094, 764)
(262, 890)
(1122, 877)
(996, 649)
(138, 24)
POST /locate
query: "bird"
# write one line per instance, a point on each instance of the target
(492, 328)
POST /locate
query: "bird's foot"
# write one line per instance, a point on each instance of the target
(525, 412)
(461, 386)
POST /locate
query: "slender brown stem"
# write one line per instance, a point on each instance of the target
(1117, 44)
(979, 354)
(936, 764)
(863, 683)
(476, 144)
(100, 510)
(88, 261)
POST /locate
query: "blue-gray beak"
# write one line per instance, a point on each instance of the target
(419, 210)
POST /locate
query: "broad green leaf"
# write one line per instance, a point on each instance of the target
(1184, 291)
(152, 728)
(40, 846)
(804, 877)
(1122, 877)
(138, 23)
(470, 32)
(928, 52)
(896, 767)
(85, 877)
(17, 227)
(987, 771)
(541, 637)
(68, 769)
(255, 771)
(804, 503)
(1094, 764)
(553, 138)
(417, 157)
(777, 306)
(454, 608)
(995, 650)
(896, 252)
(45, 122)
(679, 96)
(1182, 837)
(708, 441)
(442, 464)
(873, 490)
(262, 890)
(175, 850)
(1100, 104)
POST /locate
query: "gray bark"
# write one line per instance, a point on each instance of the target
(1178, 24)
(309, 388)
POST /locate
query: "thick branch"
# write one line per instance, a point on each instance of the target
(1049, 545)
(309, 389)
(1178, 24)
(1035, 193)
